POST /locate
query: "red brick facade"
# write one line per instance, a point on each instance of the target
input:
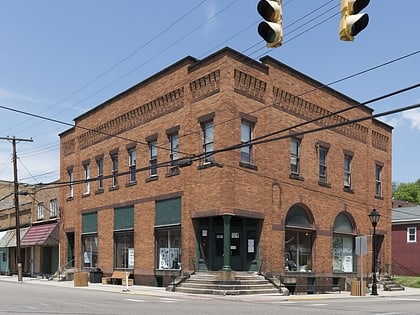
(227, 89)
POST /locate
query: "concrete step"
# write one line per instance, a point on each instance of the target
(208, 283)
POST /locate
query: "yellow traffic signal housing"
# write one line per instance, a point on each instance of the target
(352, 23)
(271, 30)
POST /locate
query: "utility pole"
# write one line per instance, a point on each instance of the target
(16, 195)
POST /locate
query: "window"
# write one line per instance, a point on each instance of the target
(208, 141)
(124, 243)
(344, 258)
(132, 165)
(378, 180)
(100, 167)
(70, 176)
(41, 211)
(246, 137)
(90, 250)
(168, 243)
(153, 158)
(299, 240)
(295, 156)
(86, 171)
(173, 148)
(114, 159)
(347, 170)
(411, 235)
(323, 152)
(53, 208)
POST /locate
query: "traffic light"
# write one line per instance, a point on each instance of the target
(351, 22)
(271, 30)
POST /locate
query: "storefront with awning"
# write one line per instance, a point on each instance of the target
(8, 251)
(43, 241)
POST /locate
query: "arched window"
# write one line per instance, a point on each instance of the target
(299, 240)
(343, 244)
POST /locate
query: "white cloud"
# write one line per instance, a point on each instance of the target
(212, 23)
(413, 116)
(5, 94)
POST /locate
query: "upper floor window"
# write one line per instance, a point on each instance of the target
(246, 138)
(347, 170)
(100, 168)
(208, 141)
(40, 211)
(86, 171)
(378, 179)
(323, 167)
(411, 235)
(114, 160)
(153, 151)
(295, 156)
(173, 148)
(132, 165)
(53, 208)
(70, 176)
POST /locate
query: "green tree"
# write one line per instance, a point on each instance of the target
(408, 192)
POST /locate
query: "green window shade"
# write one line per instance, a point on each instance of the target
(168, 212)
(90, 222)
(124, 218)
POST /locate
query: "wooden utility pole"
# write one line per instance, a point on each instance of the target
(16, 194)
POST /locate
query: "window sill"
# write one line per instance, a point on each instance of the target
(209, 164)
(99, 191)
(131, 184)
(114, 188)
(348, 190)
(85, 195)
(248, 165)
(328, 185)
(151, 178)
(69, 198)
(379, 197)
(296, 177)
(173, 171)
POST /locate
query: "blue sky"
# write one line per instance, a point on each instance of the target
(59, 59)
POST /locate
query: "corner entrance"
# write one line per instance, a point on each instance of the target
(242, 242)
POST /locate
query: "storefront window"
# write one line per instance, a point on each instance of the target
(168, 245)
(90, 250)
(299, 238)
(343, 245)
(124, 249)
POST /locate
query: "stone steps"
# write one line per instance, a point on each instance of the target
(243, 284)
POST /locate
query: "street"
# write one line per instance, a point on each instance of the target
(35, 298)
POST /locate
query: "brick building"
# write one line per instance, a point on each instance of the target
(180, 172)
(39, 233)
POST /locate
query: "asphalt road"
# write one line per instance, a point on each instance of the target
(33, 298)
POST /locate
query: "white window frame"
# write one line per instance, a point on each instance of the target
(86, 171)
(247, 130)
(411, 234)
(378, 180)
(295, 156)
(132, 165)
(347, 170)
(153, 157)
(41, 211)
(53, 208)
(208, 141)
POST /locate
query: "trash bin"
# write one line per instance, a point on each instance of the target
(95, 276)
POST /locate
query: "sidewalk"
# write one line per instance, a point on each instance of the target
(161, 291)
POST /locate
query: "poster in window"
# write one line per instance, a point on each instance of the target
(131, 258)
(348, 264)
